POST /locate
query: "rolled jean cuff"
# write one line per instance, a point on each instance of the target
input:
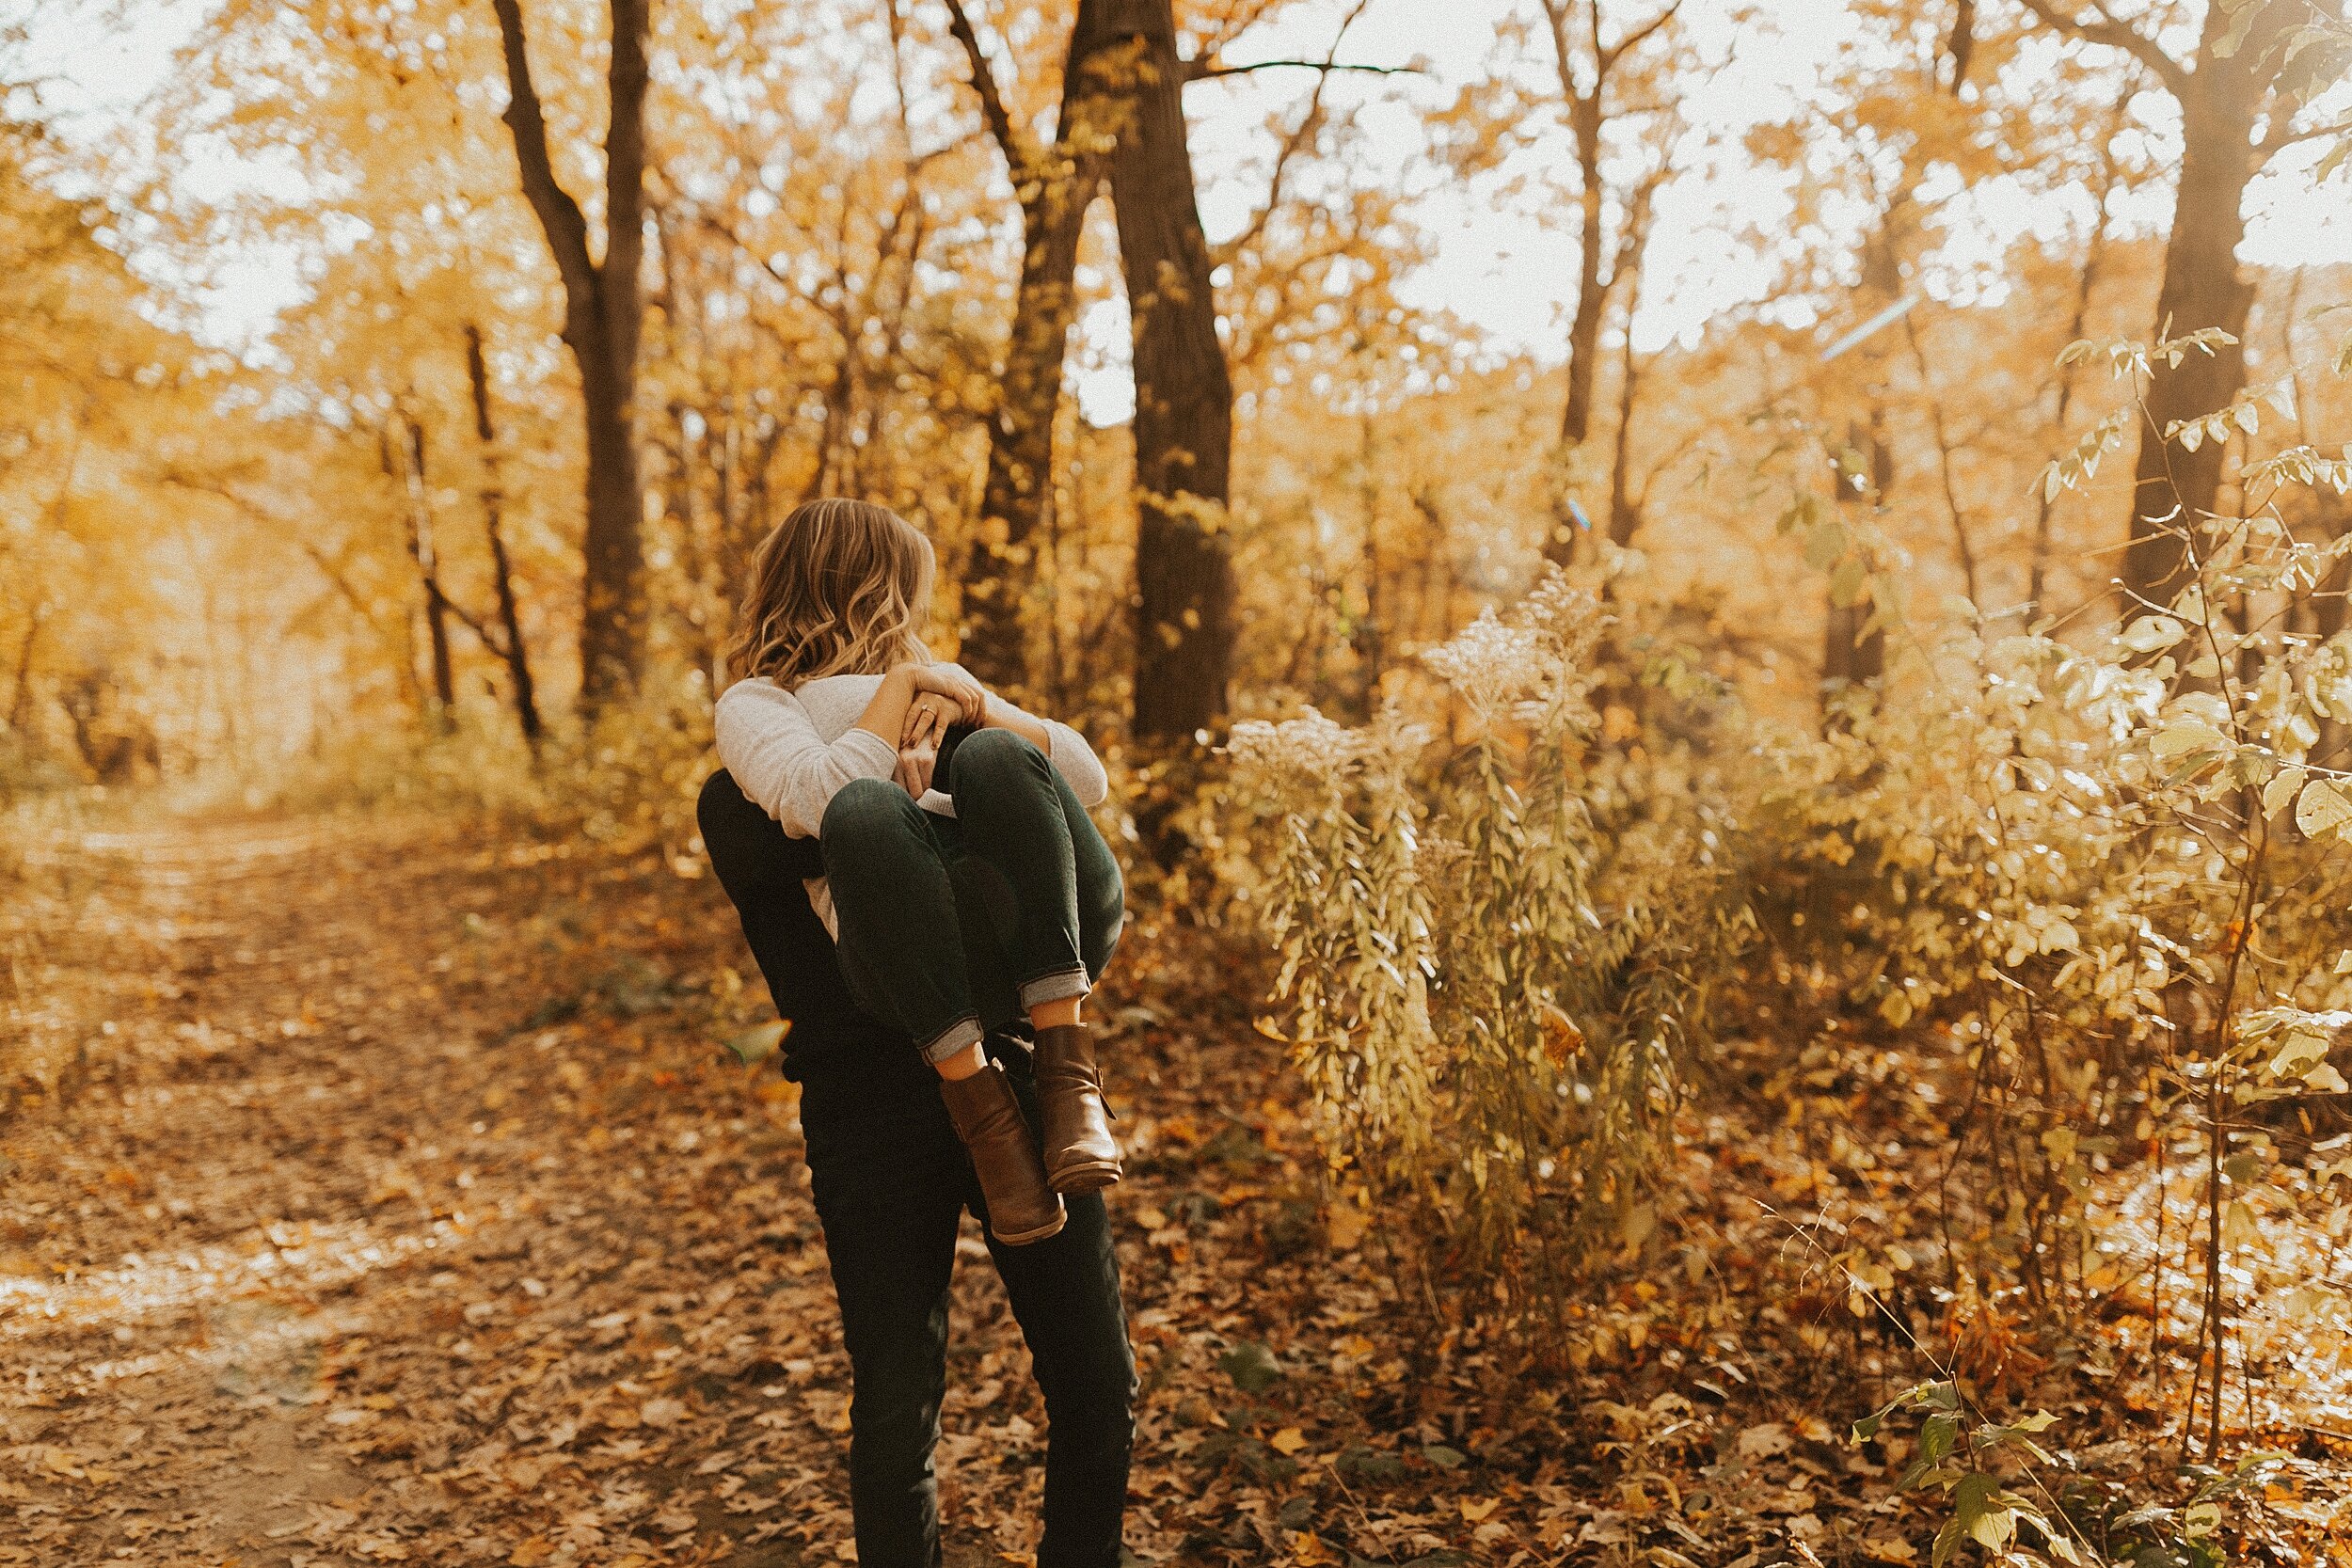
(958, 1036)
(1057, 986)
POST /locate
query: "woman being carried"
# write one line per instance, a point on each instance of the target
(964, 884)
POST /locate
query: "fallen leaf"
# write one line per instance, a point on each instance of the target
(1562, 1037)
(755, 1046)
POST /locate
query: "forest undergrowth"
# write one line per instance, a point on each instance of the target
(392, 1198)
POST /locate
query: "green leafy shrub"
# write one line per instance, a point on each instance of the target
(2111, 865)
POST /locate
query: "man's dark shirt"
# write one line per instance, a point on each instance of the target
(830, 1040)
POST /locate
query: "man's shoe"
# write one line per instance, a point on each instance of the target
(1081, 1156)
(1020, 1207)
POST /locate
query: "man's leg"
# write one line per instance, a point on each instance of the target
(889, 1183)
(1065, 1294)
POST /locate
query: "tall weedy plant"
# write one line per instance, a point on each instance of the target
(1497, 946)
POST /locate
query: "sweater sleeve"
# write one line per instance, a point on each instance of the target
(771, 747)
(1079, 766)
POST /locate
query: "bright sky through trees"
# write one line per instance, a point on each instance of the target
(1497, 262)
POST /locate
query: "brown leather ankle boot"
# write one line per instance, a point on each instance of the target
(1081, 1156)
(1020, 1207)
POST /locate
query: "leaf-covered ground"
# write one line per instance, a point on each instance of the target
(375, 1196)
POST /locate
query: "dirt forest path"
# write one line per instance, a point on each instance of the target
(382, 1191)
(393, 1207)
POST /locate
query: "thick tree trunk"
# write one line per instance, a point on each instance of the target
(1057, 186)
(1184, 397)
(613, 629)
(2173, 487)
(602, 321)
(1020, 444)
(2239, 78)
(1592, 301)
(494, 522)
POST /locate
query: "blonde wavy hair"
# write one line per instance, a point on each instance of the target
(838, 588)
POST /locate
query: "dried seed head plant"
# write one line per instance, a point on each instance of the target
(1495, 951)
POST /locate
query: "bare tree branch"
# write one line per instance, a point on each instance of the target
(726, 230)
(1212, 70)
(1632, 41)
(567, 227)
(1301, 134)
(2107, 29)
(2281, 135)
(1018, 152)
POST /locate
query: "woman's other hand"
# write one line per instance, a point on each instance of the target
(958, 685)
(918, 750)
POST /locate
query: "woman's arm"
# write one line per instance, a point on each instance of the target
(1002, 715)
(885, 717)
(771, 747)
(1066, 748)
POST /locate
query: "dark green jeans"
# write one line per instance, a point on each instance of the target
(951, 927)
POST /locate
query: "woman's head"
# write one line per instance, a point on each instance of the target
(839, 588)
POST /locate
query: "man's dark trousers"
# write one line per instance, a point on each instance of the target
(892, 1183)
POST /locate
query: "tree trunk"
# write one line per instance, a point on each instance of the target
(1184, 397)
(409, 461)
(2202, 288)
(1625, 508)
(493, 521)
(1056, 187)
(1576, 420)
(1850, 653)
(602, 320)
(1370, 633)
(1591, 300)
(2086, 284)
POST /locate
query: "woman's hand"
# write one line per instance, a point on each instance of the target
(929, 707)
(958, 685)
(928, 720)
